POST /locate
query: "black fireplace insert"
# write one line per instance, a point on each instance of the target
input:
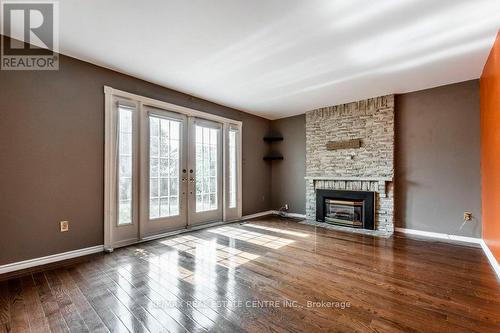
(355, 209)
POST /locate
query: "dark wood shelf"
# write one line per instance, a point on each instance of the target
(273, 158)
(273, 138)
(273, 155)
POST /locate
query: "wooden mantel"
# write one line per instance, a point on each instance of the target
(353, 178)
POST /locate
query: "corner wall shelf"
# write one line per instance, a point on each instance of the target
(273, 138)
(273, 158)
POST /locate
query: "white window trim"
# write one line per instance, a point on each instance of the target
(235, 212)
(146, 101)
(111, 94)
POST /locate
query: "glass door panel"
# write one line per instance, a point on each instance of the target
(206, 168)
(165, 179)
(164, 165)
(205, 172)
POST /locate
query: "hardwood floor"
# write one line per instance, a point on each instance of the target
(267, 275)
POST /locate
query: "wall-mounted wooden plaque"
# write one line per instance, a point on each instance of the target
(347, 144)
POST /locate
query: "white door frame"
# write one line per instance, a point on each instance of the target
(210, 216)
(231, 214)
(119, 235)
(150, 227)
(110, 163)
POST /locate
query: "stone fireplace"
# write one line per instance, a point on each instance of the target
(367, 167)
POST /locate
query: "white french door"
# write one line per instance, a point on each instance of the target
(167, 168)
(205, 171)
(163, 171)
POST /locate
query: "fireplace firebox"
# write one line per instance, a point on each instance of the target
(355, 209)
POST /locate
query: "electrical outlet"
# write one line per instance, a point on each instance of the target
(64, 226)
(467, 216)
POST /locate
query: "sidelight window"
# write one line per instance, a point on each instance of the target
(125, 164)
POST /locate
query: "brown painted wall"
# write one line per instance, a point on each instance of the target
(51, 155)
(52, 142)
(437, 159)
(288, 183)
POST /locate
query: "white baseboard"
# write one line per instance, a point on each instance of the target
(493, 262)
(440, 235)
(293, 215)
(272, 212)
(15, 266)
(260, 214)
(491, 258)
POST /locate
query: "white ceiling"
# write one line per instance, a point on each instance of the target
(277, 58)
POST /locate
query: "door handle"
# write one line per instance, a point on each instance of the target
(191, 180)
(184, 180)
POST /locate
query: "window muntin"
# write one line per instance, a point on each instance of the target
(206, 159)
(164, 164)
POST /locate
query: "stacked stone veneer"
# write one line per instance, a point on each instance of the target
(369, 168)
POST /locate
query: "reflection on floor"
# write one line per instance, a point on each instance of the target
(277, 230)
(267, 275)
(253, 237)
(210, 251)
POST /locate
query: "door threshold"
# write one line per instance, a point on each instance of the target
(183, 230)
